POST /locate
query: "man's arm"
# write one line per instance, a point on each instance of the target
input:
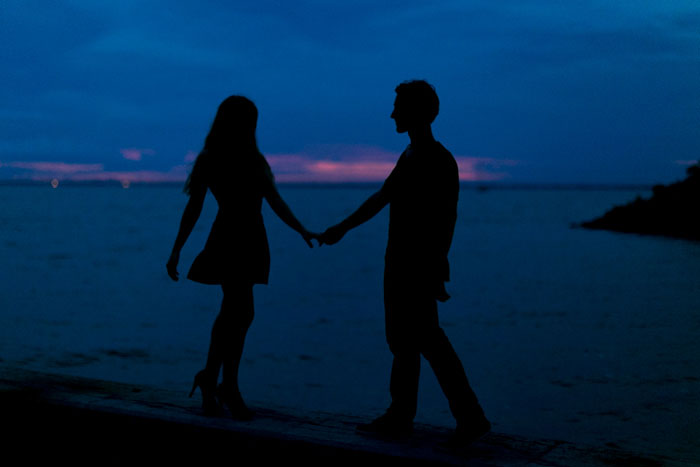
(365, 212)
(447, 194)
(446, 213)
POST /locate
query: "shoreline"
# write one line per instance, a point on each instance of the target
(83, 420)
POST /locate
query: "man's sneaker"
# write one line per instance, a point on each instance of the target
(465, 434)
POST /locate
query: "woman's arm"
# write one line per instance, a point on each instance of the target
(189, 219)
(285, 213)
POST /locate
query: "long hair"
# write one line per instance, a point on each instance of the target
(232, 135)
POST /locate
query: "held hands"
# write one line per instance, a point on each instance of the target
(308, 236)
(331, 236)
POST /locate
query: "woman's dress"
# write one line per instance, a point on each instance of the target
(237, 249)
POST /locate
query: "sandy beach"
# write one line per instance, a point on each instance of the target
(83, 421)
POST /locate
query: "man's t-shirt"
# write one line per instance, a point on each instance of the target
(422, 191)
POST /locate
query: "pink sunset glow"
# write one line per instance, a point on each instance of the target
(49, 171)
(482, 169)
(303, 168)
(359, 163)
(137, 176)
(134, 154)
(57, 168)
(366, 170)
(318, 164)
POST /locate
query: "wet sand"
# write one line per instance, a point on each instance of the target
(52, 417)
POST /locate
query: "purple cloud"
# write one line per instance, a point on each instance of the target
(134, 154)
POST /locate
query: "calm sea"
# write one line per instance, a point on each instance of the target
(565, 333)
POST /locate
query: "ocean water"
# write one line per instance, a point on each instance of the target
(585, 336)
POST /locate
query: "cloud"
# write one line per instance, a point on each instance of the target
(302, 168)
(54, 168)
(331, 163)
(136, 154)
(176, 174)
(83, 79)
(43, 171)
(361, 163)
(483, 169)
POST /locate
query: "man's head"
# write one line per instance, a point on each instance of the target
(416, 105)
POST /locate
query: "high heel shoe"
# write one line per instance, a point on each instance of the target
(231, 397)
(210, 406)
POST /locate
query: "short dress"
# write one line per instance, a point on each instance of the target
(236, 249)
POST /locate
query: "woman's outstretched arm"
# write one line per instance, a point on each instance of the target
(189, 219)
(282, 210)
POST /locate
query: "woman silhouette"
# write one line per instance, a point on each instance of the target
(236, 254)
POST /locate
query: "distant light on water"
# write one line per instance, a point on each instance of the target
(126, 184)
(54, 183)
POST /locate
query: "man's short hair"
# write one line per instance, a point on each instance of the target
(421, 97)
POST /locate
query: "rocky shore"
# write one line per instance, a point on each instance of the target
(671, 211)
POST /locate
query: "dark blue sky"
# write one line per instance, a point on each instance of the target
(531, 91)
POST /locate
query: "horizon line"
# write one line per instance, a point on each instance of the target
(478, 185)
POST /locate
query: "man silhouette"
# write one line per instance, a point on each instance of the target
(422, 192)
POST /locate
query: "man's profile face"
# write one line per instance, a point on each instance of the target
(400, 115)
